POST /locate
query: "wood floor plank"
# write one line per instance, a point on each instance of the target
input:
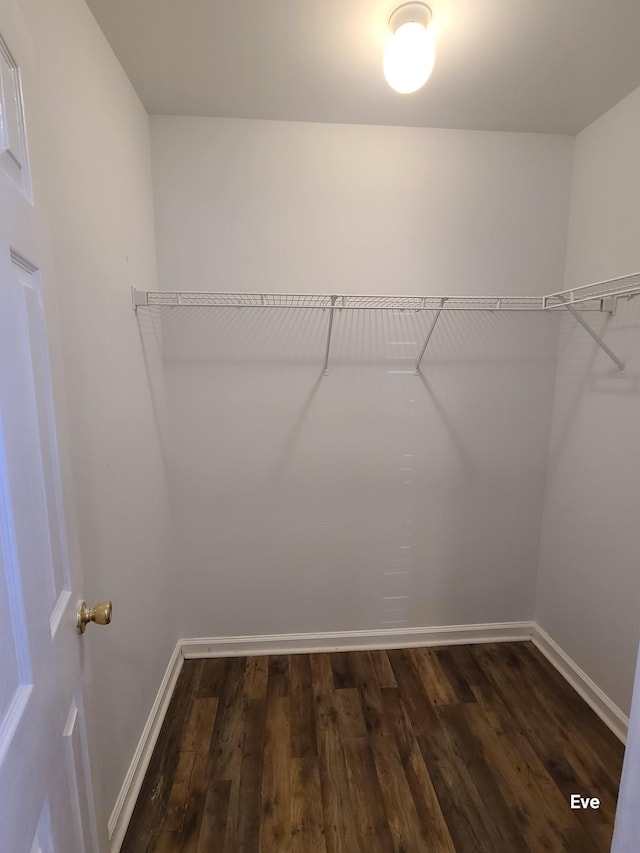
(497, 817)
(445, 750)
(541, 809)
(340, 834)
(177, 802)
(227, 740)
(278, 679)
(250, 791)
(197, 734)
(340, 831)
(214, 820)
(233, 819)
(349, 711)
(275, 822)
(165, 842)
(307, 820)
(455, 677)
(422, 790)
(303, 722)
(584, 841)
(322, 687)
(434, 826)
(366, 680)
(603, 834)
(412, 692)
(466, 663)
(195, 805)
(371, 823)
(495, 710)
(459, 800)
(383, 669)
(433, 678)
(256, 675)
(406, 830)
(227, 745)
(341, 667)
(398, 722)
(214, 676)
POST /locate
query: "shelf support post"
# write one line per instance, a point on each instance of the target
(429, 333)
(326, 354)
(594, 335)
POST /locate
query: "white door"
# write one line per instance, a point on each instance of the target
(45, 804)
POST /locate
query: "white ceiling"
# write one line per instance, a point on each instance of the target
(549, 66)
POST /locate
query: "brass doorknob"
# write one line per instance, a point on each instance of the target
(100, 614)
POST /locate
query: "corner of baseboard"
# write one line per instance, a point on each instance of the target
(596, 698)
(123, 808)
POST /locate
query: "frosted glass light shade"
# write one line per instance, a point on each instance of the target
(409, 56)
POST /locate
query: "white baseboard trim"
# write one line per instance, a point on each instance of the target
(333, 641)
(607, 710)
(123, 809)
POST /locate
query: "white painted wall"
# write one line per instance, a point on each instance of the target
(589, 586)
(89, 142)
(322, 208)
(367, 498)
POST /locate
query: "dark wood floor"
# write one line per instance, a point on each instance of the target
(474, 749)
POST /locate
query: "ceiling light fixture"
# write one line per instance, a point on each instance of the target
(409, 53)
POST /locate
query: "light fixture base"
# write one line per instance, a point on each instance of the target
(408, 13)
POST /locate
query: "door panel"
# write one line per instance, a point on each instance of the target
(15, 681)
(13, 148)
(57, 580)
(77, 773)
(45, 799)
(9, 675)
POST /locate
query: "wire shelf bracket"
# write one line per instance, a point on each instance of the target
(325, 368)
(596, 337)
(605, 294)
(429, 333)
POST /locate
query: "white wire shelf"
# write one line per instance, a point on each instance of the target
(607, 292)
(346, 302)
(601, 296)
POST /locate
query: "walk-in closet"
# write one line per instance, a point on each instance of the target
(319, 405)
